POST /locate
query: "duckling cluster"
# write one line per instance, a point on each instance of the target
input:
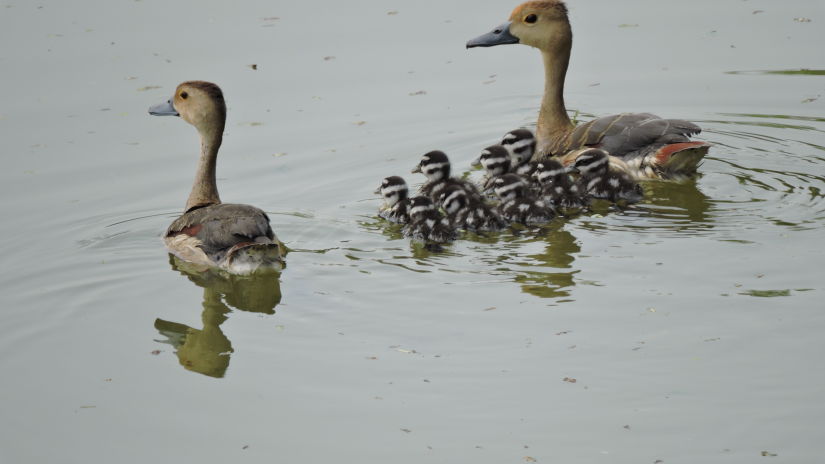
(513, 189)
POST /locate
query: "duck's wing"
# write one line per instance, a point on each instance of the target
(621, 134)
(642, 139)
(224, 228)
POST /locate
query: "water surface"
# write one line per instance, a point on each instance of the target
(685, 329)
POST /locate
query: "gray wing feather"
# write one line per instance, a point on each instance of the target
(222, 226)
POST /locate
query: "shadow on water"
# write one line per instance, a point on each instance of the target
(207, 350)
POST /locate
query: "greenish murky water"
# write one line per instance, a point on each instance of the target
(685, 329)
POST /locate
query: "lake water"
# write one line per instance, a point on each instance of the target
(686, 329)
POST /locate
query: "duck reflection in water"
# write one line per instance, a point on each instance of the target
(559, 254)
(207, 350)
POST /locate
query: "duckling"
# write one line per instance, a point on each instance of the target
(234, 237)
(436, 167)
(396, 203)
(652, 147)
(496, 162)
(599, 180)
(557, 187)
(426, 223)
(469, 213)
(521, 144)
(516, 203)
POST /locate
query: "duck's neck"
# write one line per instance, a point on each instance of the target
(553, 121)
(205, 189)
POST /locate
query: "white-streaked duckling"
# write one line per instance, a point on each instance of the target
(599, 180)
(517, 205)
(495, 160)
(426, 223)
(467, 213)
(394, 191)
(233, 237)
(557, 187)
(521, 144)
(435, 165)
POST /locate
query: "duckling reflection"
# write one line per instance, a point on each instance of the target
(560, 254)
(207, 350)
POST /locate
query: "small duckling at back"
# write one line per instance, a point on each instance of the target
(516, 203)
(436, 167)
(598, 180)
(426, 223)
(496, 162)
(557, 187)
(469, 214)
(396, 203)
(521, 144)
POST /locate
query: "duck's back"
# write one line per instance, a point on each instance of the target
(642, 140)
(220, 231)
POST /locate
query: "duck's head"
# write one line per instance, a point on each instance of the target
(435, 165)
(542, 24)
(393, 189)
(509, 186)
(453, 199)
(521, 144)
(199, 103)
(420, 206)
(548, 170)
(591, 163)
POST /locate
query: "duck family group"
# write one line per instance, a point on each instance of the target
(530, 173)
(514, 189)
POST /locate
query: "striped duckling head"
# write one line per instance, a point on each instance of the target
(454, 199)
(591, 163)
(496, 160)
(521, 144)
(435, 165)
(549, 170)
(393, 189)
(510, 186)
(420, 207)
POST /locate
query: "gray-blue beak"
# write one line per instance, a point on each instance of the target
(163, 109)
(498, 36)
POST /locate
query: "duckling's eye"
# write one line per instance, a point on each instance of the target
(531, 18)
(184, 95)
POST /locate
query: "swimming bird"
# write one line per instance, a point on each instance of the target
(396, 203)
(598, 179)
(469, 213)
(651, 146)
(496, 162)
(521, 144)
(233, 237)
(435, 165)
(517, 205)
(426, 223)
(557, 187)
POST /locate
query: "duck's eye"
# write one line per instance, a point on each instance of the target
(184, 95)
(531, 18)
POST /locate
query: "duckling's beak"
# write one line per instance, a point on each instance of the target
(498, 36)
(488, 185)
(377, 191)
(476, 162)
(572, 169)
(164, 109)
(416, 169)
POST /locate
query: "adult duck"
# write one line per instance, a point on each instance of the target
(233, 237)
(651, 146)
